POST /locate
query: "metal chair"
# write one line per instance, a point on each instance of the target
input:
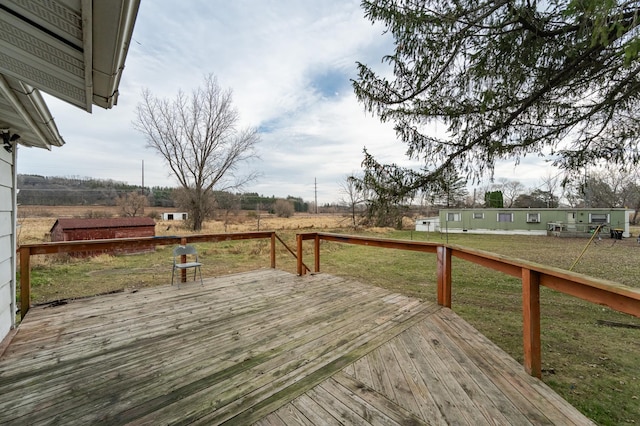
(187, 250)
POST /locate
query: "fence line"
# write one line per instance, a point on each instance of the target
(28, 250)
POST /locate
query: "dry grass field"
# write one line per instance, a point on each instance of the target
(36, 221)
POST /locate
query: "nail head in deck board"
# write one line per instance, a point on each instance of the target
(243, 347)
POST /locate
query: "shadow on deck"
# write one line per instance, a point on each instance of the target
(265, 347)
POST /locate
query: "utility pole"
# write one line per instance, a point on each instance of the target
(315, 185)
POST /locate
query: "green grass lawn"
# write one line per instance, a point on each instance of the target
(594, 367)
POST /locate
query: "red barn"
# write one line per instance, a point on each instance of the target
(100, 229)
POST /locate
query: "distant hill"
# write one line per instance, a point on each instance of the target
(60, 191)
(36, 190)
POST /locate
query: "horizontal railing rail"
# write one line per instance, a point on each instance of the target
(28, 250)
(533, 275)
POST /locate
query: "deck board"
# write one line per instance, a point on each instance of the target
(264, 347)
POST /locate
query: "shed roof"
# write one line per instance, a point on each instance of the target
(114, 222)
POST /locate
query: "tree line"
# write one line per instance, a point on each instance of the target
(65, 191)
(604, 187)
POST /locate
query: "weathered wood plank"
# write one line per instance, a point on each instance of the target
(448, 402)
(370, 413)
(266, 347)
(428, 409)
(314, 411)
(362, 371)
(270, 420)
(156, 383)
(146, 330)
(381, 381)
(290, 415)
(493, 410)
(91, 319)
(125, 384)
(401, 391)
(105, 324)
(181, 341)
(336, 408)
(331, 357)
(531, 396)
(350, 370)
(384, 406)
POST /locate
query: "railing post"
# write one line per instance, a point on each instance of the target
(444, 276)
(183, 259)
(299, 255)
(316, 253)
(273, 250)
(531, 322)
(25, 281)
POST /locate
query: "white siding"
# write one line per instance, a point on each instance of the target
(6, 203)
(7, 242)
(6, 320)
(5, 172)
(428, 224)
(6, 224)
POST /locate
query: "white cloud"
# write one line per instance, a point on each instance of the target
(288, 64)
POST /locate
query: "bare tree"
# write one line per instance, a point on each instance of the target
(228, 203)
(610, 187)
(353, 198)
(199, 138)
(510, 190)
(549, 185)
(132, 204)
(283, 208)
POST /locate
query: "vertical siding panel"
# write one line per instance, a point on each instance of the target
(7, 242)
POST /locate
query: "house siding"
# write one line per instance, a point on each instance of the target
(7, 242)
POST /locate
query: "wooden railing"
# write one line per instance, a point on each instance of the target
(603, 292)
(28, 250)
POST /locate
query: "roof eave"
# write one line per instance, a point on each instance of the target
(112, 29)
(36, 126)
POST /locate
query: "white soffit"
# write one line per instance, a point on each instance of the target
(72, 49)
(24, 112)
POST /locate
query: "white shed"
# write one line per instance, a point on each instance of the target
(175, 216)
(428, 224)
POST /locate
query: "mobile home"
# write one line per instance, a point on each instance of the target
(560, 222)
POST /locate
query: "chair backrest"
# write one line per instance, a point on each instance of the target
(184, 250)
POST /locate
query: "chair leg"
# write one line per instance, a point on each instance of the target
(201, 282)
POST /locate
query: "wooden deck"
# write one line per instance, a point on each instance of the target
(264, 347)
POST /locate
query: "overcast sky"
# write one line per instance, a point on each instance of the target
(289, 65)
